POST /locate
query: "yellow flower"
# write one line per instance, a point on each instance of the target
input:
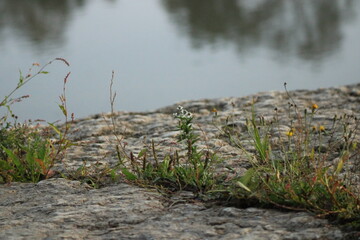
(215, 111)
(322, 128)
(314, 107)
(290, 133)
(314, 128)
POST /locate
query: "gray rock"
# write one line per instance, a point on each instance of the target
(63, 209)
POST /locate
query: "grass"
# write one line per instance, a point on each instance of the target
(292, 169)
(296, 170)
(189, 168)
(28, 152)
(308, 167)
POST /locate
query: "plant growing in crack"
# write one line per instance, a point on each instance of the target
(197, 169)
(176, 170)
(27, 152)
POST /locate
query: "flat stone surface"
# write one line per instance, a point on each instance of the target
(64, 209)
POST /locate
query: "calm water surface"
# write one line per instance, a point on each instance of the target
(164, 51)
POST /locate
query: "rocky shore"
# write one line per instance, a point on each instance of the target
(58, 208)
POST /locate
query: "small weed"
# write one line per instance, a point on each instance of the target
(28, 153)
(305, 167)
(189, 169)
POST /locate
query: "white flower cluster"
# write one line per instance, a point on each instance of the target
(182, 113)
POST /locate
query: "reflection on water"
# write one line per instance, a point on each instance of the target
(315, 43)
(308, 29)
(42, 22)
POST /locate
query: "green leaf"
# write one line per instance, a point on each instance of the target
(21, 78)
(142, 153)
(44, 72)
(113, 174)
(13, 157)
(63, 109)
(246, 179)
(42, 151)
(242, 183)
(128, 175)
(55, 128)
(30, 158)
(4, 165)
(340, 166)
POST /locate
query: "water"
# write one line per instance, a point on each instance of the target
(165, 51)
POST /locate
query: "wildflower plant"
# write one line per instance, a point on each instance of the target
(186, 131)
(305, 168)
(27, 153)
(176, 171)
(197, 170)
(189, 168)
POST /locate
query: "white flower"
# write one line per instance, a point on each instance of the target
(182, 113)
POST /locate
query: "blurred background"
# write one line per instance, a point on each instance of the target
(165, 51)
